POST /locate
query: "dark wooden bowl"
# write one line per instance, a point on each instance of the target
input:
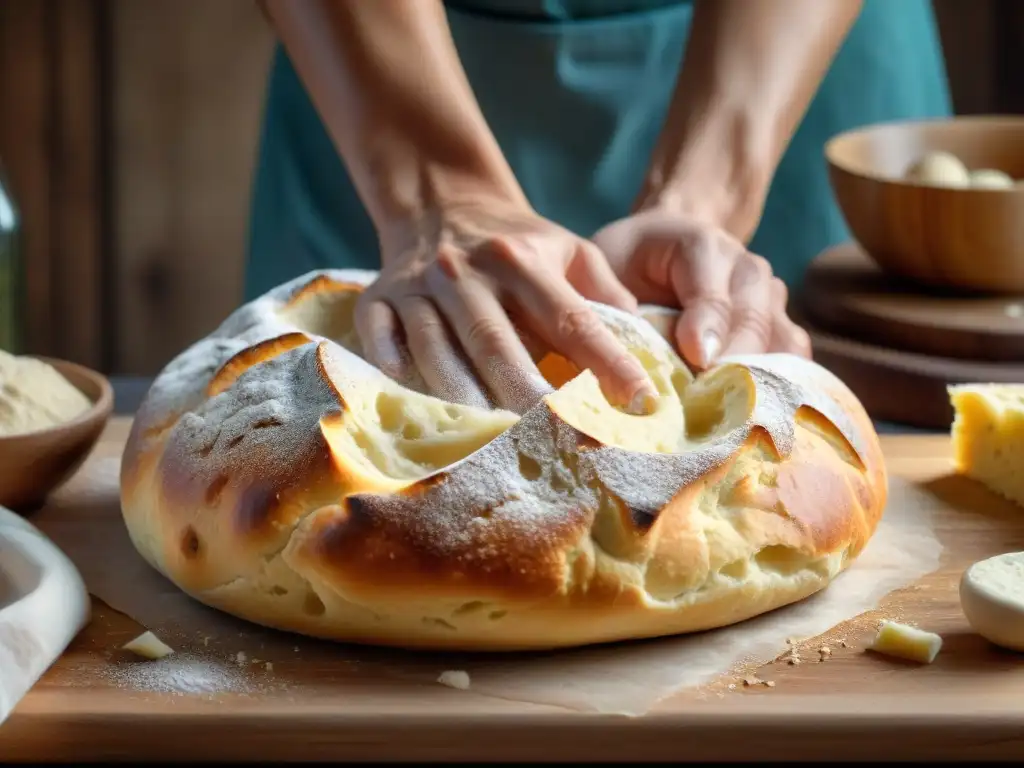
(34, 464)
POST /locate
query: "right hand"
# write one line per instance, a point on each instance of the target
(442, 300)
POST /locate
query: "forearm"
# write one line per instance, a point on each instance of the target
(749, 73)
(387, 82)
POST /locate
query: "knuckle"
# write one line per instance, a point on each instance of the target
(716, 305)
(429, 326)
(505, 252)
(578, 324)
(801, 341)
(485, 333)
(780, 291)
(754, 321)
(759, 264)
(450, 261)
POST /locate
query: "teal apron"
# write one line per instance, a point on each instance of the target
(576, 92)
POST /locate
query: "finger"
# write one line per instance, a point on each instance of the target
(561, 316)
(787, 336)
(437, 354)
(380, 335)
(700, 278)
(593, 277)
(751, 288)
(489, 340)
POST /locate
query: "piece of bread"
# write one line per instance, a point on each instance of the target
(988, 436)
(275, 475)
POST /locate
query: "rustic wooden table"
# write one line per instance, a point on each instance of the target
(857, 705)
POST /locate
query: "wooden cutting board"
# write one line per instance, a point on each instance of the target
(855, 704)
(899, 349)
(846, 294)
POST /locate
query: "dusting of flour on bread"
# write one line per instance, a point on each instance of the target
(275, 474)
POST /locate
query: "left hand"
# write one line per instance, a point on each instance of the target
(731, 302)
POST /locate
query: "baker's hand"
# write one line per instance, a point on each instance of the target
(731, 302)
(443, 300)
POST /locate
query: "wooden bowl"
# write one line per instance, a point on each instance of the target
(34, 464)
(961, 238)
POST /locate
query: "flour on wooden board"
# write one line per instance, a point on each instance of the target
(186, 674)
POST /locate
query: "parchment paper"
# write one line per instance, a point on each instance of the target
(626, 678)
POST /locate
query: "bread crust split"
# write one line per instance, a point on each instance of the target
(275, 475)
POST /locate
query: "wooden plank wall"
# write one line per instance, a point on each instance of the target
(51, 127)
(188, 79)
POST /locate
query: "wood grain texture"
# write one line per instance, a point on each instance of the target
(188, 92)
(845, 292)
(25, 131)
(903, 387)
(898, 346)
(50, 144)
(855, 704)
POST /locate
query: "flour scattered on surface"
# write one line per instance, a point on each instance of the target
(181, 675)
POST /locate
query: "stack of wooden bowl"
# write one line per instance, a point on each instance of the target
(931, 292)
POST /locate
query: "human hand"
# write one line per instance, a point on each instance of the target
(443, 300)
(731, 303)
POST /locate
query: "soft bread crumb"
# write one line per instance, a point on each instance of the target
(791, 656)
(455, 678)
(906, 642)
(148, 646)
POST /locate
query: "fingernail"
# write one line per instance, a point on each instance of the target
(644, 402)
(710, 346)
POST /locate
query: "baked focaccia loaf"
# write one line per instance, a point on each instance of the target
(274, 474)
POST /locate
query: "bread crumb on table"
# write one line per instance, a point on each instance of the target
(455, 678)
(148, 646)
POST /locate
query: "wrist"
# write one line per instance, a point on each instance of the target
(713, 165)
(415, 198)
(440, 199)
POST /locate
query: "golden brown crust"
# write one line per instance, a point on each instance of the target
(275, 475)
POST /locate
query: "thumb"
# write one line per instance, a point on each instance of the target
(700, 278)
(593, 278)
